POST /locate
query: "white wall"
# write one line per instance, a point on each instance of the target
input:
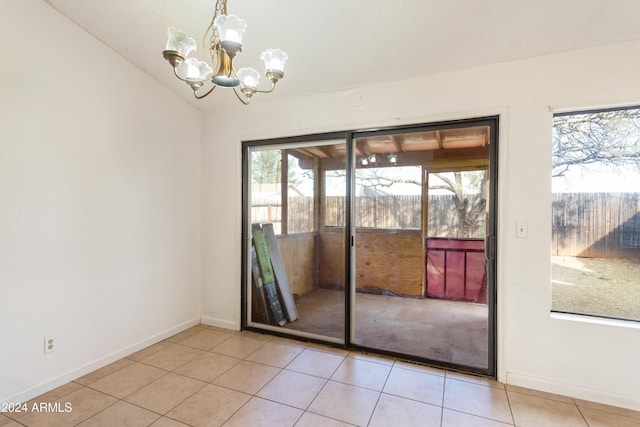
(591, 360)
(99, 204)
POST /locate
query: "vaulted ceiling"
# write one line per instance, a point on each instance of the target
(341, 44)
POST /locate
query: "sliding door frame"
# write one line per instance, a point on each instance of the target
(350, 235)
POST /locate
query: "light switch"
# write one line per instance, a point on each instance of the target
(522, 229)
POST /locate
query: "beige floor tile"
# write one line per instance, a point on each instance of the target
(362, 373)
(290, 341)
(292, 388)
(182, 335)
(275, 354)
(329, 349)
(597, 418)
(476, 399)
(345, 402)
(411, 394)
(316, 363)
(209, 407)
(531, 411)
(474, 379)
(247, 377)
(238, 346)
(139, 355)
(8, 422)
(206, 339)
(458, 419)
(255, 335)
(397, 411)
(127, 380)
(216, 328)
(172, 357)
(371, 357)
(51, 396)
(420, 368)
(85, 403)
(165, 393)
(103, 372)
(264, 413)
(122, 414)
(537, 393)
(59, 392)
(168, 422)
(207, 366)
(309, 419)
(415, 385)
(608, 408)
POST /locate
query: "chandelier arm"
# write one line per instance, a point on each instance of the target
(175, 71)
(202, 96)
(245, 101)
(273, 86)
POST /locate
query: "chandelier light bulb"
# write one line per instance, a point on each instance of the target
(249, 77)
(230, 28)
(180, 42)
(274, 60)
(195, 70)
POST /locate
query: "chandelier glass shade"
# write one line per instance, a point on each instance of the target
(225, 34)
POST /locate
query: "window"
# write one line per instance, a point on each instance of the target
(595, 250)
(385, 197)
(268, 191)
(458, 204)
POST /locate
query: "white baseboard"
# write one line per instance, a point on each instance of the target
(549, 385)
(220, 323)
(48, 385)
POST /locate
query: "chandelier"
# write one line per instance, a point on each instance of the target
(225, 42)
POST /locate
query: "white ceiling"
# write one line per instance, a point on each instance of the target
(338, 44)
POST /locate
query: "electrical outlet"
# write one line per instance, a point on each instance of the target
(49, 345)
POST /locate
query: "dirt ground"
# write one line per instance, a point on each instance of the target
(607, 287)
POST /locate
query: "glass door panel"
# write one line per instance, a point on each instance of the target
(295, 197)
(420, 213)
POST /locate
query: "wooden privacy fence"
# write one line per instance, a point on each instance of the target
(596, 225)
(402, 211)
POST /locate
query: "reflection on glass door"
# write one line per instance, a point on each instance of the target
(295, 247)
(420, 211)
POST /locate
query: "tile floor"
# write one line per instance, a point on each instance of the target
(206, 376)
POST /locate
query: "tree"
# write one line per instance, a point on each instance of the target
(467, 188)
(610, 138)
(266, 167)
(469, 199)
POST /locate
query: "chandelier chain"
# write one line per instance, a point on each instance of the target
(214, 38)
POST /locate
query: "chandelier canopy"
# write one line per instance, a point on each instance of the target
(225, 42)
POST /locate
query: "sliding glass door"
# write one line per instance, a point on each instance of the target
(295, 217)
(378, 240)
(421, 210)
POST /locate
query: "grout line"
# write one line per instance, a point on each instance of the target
(580, 411)
(444, 390)
(513, 419)
(493, 420)
(100, 411)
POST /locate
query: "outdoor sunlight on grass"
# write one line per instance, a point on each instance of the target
(608, 287)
